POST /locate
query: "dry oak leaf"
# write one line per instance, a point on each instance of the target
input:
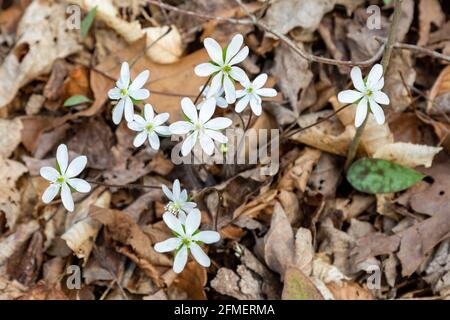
(42, 39)
(10, 131)
(408, 154)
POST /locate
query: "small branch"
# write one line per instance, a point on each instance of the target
(124, 186)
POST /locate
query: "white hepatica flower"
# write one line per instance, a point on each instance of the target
(149, 127)
(125, 90)
(63, 178)
(223, 66)
(179, 204)
(368, 93)
(252, 93)
(200, 127)
(187, 239)
(221, 102)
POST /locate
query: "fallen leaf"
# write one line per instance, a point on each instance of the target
(408, 154)
(297, 286)
(167, 49)
(349, 291)
(430, 12)
(10, 131)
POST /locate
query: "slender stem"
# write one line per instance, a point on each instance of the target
(390, 44)
(203, 90)
(249, 121)
(127, 186)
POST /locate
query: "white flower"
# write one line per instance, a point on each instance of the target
(179, 204)
(220, 101)
(368, 94)
(222, 66)
(125, 90)
(149, 127)
(252, 93)
(187, 238)
(200, 127)
(63, 178)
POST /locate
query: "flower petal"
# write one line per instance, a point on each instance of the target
(173, 223)
(207, 144)
(139, 94)
(221, 102)
(160, 119)
(230, 91)
(242, 103)
(189, 143)
(134, 125)
(181, 127)
(50, 193)
(233, 47)
(140, 80)
(255, 105)
(62, 157)
(378, 86)
(357, 79)
(206, 69)
(216, 85)
(214, 50)
(218, 123)
(168, 245)
(129, 109)
(49, 173)
(207, 110)
(149, 114)
(207, 236)
(380, 97)
(375, 74)
(266, 92)
(114, 93)
(239, 75)
(189, 109)
(349, 96)
(377, 111)
(76, 166)
(199, 255)
(176, 189)
(216, 135)
(167, 192)
(192, 222)
(153, 139)
(66, 197)
(240, 56)
(117, 111)
(180, 259)
(139, 139)
(124, 80)
(260, 81)
(80, 185)
(361, 112)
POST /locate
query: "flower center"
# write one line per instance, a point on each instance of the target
(173, 207)
(198, 126)
(368, 92)
(250, 90)
(60, 179)
(186, 241)
(123, 92)
(149, 127)
(226, 69)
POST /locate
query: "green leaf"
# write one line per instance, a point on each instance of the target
(87, 21)
(76, 100)
(381, 176)
(297, 286)
(386, 2)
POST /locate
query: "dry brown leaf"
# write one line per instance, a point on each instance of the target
(167, 49)
(10, 244)
(243, 286)
(441, 88)
(408, 154)
(11, 290)
(42, 291)
(191, 282)
(349, 291)
(41, 40)
(430, 12)
(10, 131)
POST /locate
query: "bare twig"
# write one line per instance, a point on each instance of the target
(125, 186)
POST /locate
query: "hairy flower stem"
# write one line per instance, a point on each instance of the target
(390, 44)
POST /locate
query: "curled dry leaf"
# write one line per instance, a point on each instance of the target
(13, 242)
(164, 46)
(408, 154)
(349, 290)
(42, 38)
(439, 94)
(243, 286)
(10, 131)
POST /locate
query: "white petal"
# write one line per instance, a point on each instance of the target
(62, 157)
(139, 139)
(153, 139)
(218, 123)
(134, 125)
(240, 56)
(176, 188)
(378, 86)
(168, 245)
(242, 103)
(80, 185)
(349, 96)
(189, 109)
(221, 102)
(189, 143)
(207, 110)
(162, 131)
(260, 81)
(216, 135)
(206, 69)
(50, 193)
(207, 144)
(183, 195)
(357, 79)
(233, 47)
(76, 166)
(255, 104)
(167, 192)
(124, 76)
(149, 114)
(181, 127)
(180, 259)
(140, 120)
(129, 109)
(374, 76)
(66, 197)
(199, 255)
(49, 173)
(173, 223)
(118, 111)
(182, 216)
(377, 111)
(216, 84)
(380, 97)
(214, 50)
(114, 93)
(361, 112)
(160, 119)
(266, 92)
(207, 237)
(230, 91)
(192, 222)
(239, 75)
(140, 80)
(139, 94)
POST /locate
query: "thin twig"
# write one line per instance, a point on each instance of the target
(125, 186)
(203, 90)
